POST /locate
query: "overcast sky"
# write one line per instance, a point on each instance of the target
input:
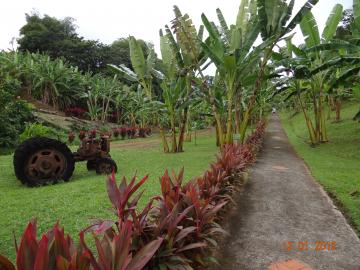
(108, 20)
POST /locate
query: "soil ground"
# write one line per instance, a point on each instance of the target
(284, 219)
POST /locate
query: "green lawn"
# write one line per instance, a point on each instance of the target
(336, 165)
(73, 203)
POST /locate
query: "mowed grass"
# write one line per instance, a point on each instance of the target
(84, 197)
(336, 165)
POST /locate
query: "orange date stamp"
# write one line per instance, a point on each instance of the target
(309, 246)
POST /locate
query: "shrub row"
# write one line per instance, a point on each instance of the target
(130, 132)
(175, 230)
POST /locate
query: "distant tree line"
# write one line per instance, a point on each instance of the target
(58, 38)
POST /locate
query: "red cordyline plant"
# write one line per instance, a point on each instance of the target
(71, 137)
(53, 251)
(116, 132)
(123, 132)
(82, 134)
(92, 133)
(187, 220)
(142, 132)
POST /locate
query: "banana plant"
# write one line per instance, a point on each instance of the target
(308, 66)
(344, 63)
(143, 68)
(229, 51)
(182, 57)
(233, 52)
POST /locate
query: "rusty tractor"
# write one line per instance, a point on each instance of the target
(39, 161)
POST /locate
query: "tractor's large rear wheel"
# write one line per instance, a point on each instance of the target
(39, 161)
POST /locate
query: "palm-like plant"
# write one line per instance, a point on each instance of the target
(308, 66)
(232, 51)
(144, 68)
(182, 57)
(342, 63)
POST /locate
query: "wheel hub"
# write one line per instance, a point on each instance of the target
(106, 168)
(46, 164)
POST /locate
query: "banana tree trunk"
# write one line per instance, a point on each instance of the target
(257, 87)
(323, 130)
(338, 109)
(217, 135)
(229, 129)
(237, 115)
(317, 119)
(309, 124)
(187, 129)
(173, 135)
(163, 139)
(182, 130)
(219, 129)
(244, 125)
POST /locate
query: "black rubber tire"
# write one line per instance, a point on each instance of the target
(91, 165)
(108, 161)
(31, 146)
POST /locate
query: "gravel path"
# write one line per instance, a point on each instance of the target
(285, 215)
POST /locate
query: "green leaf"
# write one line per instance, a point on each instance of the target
(213, 33)
(223, 24)
(251, 36)
(241, 19)
(272, 14)
(125, 72)
(310, 30)
(137, 57)
(288, 13)
(175, 47)
(337, 62)
(334, 45)
(345, 75)
(201, 32)
(168, 56)
(332, 22)
(356, 10)
(299, 16)
(236, 38)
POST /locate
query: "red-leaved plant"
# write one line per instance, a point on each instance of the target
(71, 137)
(82, 134)
(116, 132)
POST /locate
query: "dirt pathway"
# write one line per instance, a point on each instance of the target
(284, 215)
(153, 141)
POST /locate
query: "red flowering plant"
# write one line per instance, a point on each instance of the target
(82, 134)
(71, 137)
(116, 132)
(123, 132)
(92, 134)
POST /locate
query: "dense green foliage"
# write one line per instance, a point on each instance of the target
(13, 112)
(334, 165)
(58, 39)
(39, 130)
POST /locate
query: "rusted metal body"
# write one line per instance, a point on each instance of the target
(92, 149)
